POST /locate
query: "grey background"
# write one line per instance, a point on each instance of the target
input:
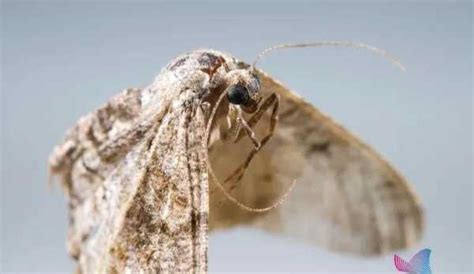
(62, 60)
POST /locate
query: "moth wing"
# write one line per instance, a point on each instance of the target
(150, 213)
(91, 132)
(347, 197)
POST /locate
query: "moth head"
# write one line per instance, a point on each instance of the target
(243, 89)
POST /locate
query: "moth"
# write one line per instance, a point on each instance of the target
(137, 170)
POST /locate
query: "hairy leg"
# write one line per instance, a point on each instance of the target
(271, 101)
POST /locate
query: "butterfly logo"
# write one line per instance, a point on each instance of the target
(419, 264)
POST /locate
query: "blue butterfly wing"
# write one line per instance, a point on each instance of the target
(421, 262)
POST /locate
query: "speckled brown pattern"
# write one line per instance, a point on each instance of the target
(136, 175)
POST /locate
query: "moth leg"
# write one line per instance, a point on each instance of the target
(235, 125)
(271, 101)
(248, 130)
(232, 127)
(206, 109)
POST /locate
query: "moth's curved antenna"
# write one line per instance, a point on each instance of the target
(343, 44)
(239, 204)
(220, 185)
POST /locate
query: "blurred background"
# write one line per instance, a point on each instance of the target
(62, 60)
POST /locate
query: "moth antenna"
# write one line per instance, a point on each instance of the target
(220, 185)
(245, 207)
(343, 44)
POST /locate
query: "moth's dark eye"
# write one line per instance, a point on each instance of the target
(238, 95)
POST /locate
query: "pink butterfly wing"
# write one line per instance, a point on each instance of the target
(401, 264)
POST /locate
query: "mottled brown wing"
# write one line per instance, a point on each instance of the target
(163, 224)
(347, 197)
(147, 211)
(83, 142)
